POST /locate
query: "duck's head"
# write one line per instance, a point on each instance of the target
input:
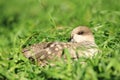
(81, 34)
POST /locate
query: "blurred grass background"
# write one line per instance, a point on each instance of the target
(25, 22)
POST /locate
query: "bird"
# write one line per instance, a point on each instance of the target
(81, 44)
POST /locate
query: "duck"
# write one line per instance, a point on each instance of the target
(81, 44)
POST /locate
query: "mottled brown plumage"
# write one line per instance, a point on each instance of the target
(81, 45)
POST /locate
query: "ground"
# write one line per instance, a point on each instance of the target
(27, 22)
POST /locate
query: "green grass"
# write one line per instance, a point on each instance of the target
(26, 22)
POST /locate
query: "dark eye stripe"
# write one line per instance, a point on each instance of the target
(80, 33)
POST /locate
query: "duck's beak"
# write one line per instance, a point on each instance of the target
(71, 40)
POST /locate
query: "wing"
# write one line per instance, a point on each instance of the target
(44, 52)
(34, 49)
(48, 49)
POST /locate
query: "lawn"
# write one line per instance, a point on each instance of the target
(26, 22)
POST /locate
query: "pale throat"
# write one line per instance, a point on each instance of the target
(81, 38)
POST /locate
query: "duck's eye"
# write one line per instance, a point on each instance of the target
(80, 33)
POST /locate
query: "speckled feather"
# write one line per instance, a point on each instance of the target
(44, 52)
